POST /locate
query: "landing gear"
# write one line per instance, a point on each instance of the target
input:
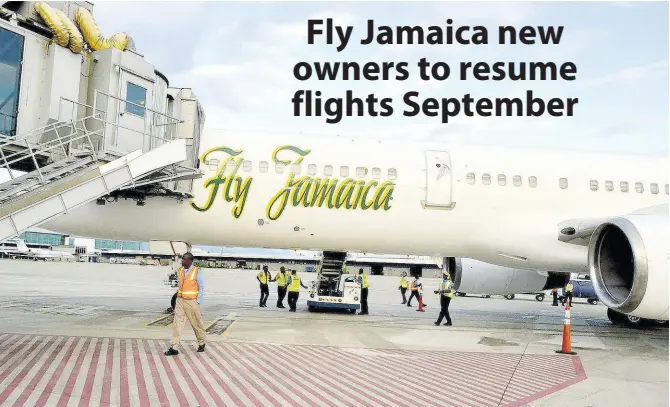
(509, 296)
(592, 301)
(539, 297)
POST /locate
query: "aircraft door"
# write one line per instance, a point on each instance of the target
(438, 180)
(134, 120)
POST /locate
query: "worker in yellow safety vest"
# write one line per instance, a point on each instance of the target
(294, 285)
(567, 293)
(403, 287)
(282, 281)
(189, 297)
(363, 281)
(415, 287)
(446, 292)
(264, 278)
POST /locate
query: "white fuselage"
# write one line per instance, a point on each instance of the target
(380, 205)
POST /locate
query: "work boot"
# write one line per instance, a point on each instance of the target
(201, 348)
(171, 352)
(448, 324)
(437, 323)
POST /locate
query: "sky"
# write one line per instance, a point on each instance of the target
(239, 58)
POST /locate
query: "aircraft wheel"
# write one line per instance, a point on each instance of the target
(593, 302)
(486, 296)
(509, 296)
(539, 297)
(661, 321)
(633, 320)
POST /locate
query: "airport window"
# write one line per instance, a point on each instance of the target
(138, 95)
(470, 178)
(594, 185)
(609, 186)
(563, 183)
(376, 173)
(311, 169)
(532, 182)
(263, 166)
(639, 188)
(361, 172)
(246, 165)
(11, 56)
(517, 180)
(344, 171)
(654, 188)
(502, 180)
(486, 179)
(624, 186)
(328, 170)
(295, 168)
(279, 168)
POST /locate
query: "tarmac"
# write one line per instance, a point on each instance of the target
(94, 334)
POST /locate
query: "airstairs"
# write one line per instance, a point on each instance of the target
(65, 166)
(330, 272)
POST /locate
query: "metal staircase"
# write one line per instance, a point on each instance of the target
(330, 272)
(66, 167)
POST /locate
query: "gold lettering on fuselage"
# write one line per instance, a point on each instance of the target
(304, 191)
(241, 189)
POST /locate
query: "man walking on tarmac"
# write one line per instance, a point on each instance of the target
(282, 281)
(403, 287)
(415, 286)
(264, 277)
(567, 293)
(294, 285)
(189, 297)
(363, 281)
(446, 292)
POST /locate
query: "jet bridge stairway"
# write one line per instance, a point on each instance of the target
(76, 177)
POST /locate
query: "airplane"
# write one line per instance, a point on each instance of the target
(18, 248)
(527, 209)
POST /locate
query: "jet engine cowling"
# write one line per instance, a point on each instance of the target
(628, 263)
(477, 277)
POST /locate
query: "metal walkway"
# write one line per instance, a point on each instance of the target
(80, 371)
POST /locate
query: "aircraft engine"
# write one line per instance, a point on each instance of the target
(628, 262)
(476, 277)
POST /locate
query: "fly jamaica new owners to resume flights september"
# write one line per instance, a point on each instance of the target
(336, 108)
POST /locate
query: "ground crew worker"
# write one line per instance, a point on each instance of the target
(567, 293)
(363, 281)
(294, 285)
(446, 292)
(189, 297)
(282, 281)
(414, 287)
(403, 287)
(264, 277)
(554, 294)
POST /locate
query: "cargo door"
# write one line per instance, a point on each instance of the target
(438, 180)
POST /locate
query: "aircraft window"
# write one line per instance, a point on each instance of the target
(246, 165)
(532, 182)
(654, 188)
(639, 188)
(213, 167)
(311, 169)
(214, 162)
(230, 165)
(594, 185)
(486, 179)
(263, 166)
(563, 183)
(609, 186)
(624, 186)
(666, 189)
(328, 170)
(392, 173)
(502, 180)
(517, 180)
(361, 172)
(470, 178)
(279, 168)
(376, 173)
(295, 168)
(344, 171)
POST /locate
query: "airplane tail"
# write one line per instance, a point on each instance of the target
(21, 246)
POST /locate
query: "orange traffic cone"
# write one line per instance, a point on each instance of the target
(565, 348)
(421, 301)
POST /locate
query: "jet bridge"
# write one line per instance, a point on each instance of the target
(65, 165)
